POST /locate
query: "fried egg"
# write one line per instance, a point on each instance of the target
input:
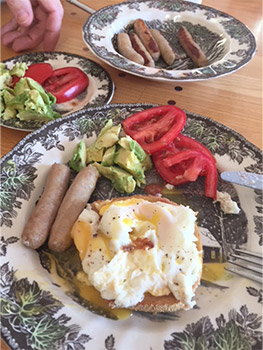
(134, 246)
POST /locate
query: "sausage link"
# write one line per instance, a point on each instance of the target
(167, 52)
(147, 39)
(191, 48)
(72, 205)
(140, 48)
(43, 215)
(125, 48)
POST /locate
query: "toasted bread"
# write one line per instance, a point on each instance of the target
(150, 303)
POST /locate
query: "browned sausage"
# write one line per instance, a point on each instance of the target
(72, 205)
(140, 48)
(38, 226)
(191, 48)
(167, 52)
(147, 39)
(125, 48)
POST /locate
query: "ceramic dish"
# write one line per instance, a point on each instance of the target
(41, 306)
(99, 92)
(227, 43)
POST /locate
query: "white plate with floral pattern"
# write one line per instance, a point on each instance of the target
(227, 43)
(43, 308)
(98, 93)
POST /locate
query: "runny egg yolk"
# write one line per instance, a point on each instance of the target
(81, 234)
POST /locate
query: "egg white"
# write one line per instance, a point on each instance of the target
(118, 267)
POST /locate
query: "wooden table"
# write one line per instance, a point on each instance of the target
(234, 100)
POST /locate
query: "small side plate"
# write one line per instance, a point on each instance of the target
(99, 92)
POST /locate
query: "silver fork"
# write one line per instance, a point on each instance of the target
(247, 264)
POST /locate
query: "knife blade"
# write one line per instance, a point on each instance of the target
(243, 178)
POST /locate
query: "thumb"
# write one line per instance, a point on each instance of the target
(22, 11)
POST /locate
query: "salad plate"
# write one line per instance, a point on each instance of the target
(41, 305)
(227, 43)
(98, 93)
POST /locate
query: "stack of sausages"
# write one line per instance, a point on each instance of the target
(145, 46)
(59, 207)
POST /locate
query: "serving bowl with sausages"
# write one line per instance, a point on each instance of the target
(218, 36)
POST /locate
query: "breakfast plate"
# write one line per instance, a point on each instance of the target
(98, 93)
(43, 308)
(227, 43)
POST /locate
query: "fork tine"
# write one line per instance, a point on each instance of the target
(246, 259)
(247, 267)
(245, 274)
(249, 264)
(245, 252)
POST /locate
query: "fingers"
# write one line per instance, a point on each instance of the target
(27, 29)
(22, 11)
(34, 35)
(53, 24)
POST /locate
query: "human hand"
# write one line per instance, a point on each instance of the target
(34, 22)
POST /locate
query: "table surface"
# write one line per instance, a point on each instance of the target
(234, 100)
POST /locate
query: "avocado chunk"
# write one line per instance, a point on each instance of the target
(78, 160)
(108, 136)
(121, 180)
(131, 145)
(108, 157)
(128, 161)
(19, 69)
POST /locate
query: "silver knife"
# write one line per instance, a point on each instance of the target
(243, 178)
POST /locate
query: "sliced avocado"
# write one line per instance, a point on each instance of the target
(108, 138)
(79, 157)
(19, 69)
(93, 154)
(108, 156)
(7, 95)
(121, 180)
(5, 80)
(21, 87)
(128, 161)
(8, 113)
(131, 145)
(30, 115)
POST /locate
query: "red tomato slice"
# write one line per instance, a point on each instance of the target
(155, 128)
(37, 71)
(66, 83)
(178, 166)
(186, 142)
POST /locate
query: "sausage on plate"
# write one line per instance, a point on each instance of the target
(42, 217)
(140, 48)
(191, 48)
(147, 39)
(72, 205)
(167, 52)
(125, 48)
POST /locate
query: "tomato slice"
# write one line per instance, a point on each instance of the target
(178, 165)
(186, 142)
(155, 128)
(37, 71)
(66, 83)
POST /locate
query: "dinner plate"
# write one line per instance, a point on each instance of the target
(99, 92)
(227, 43)
(43, 308)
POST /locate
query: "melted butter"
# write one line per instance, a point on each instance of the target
(213, 272)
